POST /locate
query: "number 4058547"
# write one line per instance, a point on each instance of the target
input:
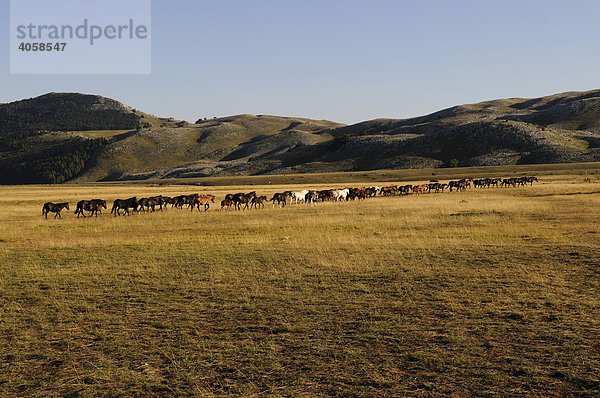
(42, 46)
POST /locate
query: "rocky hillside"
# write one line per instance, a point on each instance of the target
(559, 128)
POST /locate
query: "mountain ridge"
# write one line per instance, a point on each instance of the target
(125, 143)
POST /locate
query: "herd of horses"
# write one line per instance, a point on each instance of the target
(243, 201)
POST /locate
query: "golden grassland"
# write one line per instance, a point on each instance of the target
(486, 292)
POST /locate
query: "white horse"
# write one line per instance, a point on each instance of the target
(299, 196)
(341, 194)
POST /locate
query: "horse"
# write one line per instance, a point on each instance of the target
(93, 206)
(508, 181)
(175, 200)
(459, 185)
(299, 196)
(325, 194)
(124, 204)
(203, 200)
(436, 187)
(339, 194)
(280, 198)
(387, 191)
(419, 188)
(288, 195)
(226, 204)
(311, 197)
(154, 201)
(405, 189)
(54, 208)
(167, 200)
(357, 193)
(259, 201)
(184, 200)
(242, 198)
(372, 191)
(151, 203)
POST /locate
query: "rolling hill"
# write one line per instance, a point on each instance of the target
(59, 137)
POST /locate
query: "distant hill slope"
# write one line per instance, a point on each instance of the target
(558, 128)
(52, 137)
(66, 112)
(208, 147)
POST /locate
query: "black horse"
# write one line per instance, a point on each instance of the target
(181, 200)
(459, 185)
(54, 208)
(280, 198)
(530, 180)
(93, 206)
(311, 197)
(125, 204)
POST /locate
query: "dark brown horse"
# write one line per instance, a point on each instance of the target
(259, 201)
(151, 203)
(226, 204)
(54, 208)
(242, 199)
(93, 206)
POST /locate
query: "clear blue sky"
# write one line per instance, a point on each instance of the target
(340, 60)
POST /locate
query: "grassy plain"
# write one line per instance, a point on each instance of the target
(488, 292)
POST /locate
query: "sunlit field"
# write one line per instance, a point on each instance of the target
(484, 292)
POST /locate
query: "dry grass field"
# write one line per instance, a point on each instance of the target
(484, 293)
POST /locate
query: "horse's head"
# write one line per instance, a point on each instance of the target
(67, 206)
